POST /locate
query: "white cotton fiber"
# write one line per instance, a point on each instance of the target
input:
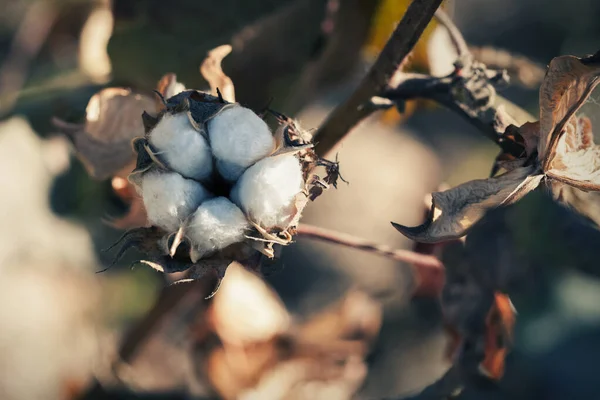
(169, 198)
(267, 190)
(182, 147)
(216, 224)
(239, 137)
(229, 171)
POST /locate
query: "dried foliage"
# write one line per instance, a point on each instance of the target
(557, 150)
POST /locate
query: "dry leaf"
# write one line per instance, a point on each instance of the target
(577, 158)
(454, 211)
(568, 83)
(213, 73)
(246, 310)
(565, 153)
(113, 119)
(499, 327)
(262, 354)
(479, 318)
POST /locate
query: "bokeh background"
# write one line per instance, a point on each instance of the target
(60, 321)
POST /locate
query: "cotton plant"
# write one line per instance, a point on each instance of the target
(218, 184)
(212, 181)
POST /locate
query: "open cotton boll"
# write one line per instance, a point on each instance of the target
(169, 198)
(267, 190)
(182, 147)
(216, 224)
(239, 137)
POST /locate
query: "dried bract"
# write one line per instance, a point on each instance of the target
(558, 150)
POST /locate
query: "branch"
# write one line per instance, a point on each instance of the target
(429, 271)
(353, 110)
(527, 72)
(442, 91)
(469, 91)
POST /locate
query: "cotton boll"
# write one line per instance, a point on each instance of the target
(216, 224)
(182, 147)
(267, 190)
(239, 137)
(169, 198)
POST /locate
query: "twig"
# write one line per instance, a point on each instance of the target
(354, 109)
(527, 72)
(429, 271)
(440, 90)
(468, 91)
(407, 256)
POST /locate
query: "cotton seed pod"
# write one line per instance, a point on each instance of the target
(216, 224)
(238, 138)
(169, 198)
(182, 147)
(268, 180)
(266, 192)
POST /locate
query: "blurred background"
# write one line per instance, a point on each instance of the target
(61, 322)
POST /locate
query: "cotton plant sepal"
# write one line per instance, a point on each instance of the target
(169, 198)
(266, 192)
(182, 147)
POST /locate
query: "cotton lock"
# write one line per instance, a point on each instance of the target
(182, 147)
(169, 198)
(216, 224)
(267, 190)
(238, 138)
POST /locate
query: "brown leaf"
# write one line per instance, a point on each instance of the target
(213, 73)
(499, 327)
(113, 119)
(355, 316)
(568, 83)
(454, 211)
(246, 310)
(576, 160)
(530, 132)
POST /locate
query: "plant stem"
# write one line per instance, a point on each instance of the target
(354, 109)
(429, 271)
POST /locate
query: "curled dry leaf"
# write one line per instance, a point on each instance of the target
(103, 141)
(559, 148)
(213, 73)
(499, 327)
(568, 83)
(246, 310)
(577, 158)
(478, 316)
(454, 211)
